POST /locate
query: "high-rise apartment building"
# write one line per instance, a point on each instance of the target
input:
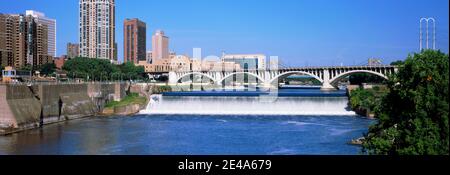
(7, 40)
(40, 18)
(134, 42)
(73, 50)
(97, 29)
(41, 44)
(23, 41)
(160, 45)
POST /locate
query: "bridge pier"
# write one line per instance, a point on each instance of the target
(268, 85)
(173, 78)
(326, 85)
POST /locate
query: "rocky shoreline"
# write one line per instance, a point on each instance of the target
(143, 90)
(127, 110)
(358, 141)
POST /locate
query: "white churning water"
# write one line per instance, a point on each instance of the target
(262, 105)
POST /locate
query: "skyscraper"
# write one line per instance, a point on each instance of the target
(160, 45)
(97, 29)
(73, 50)
(40, 18)
(134, 40)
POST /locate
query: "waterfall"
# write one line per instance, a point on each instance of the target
(217, 105)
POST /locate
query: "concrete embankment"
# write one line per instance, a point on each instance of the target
(26, 107)
(143, 89)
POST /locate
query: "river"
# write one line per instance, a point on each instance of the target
(297, 122)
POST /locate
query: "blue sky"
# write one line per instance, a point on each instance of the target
(300, 32)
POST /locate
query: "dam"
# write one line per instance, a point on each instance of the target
(280, 102)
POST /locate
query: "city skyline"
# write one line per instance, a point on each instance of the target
(350, 33)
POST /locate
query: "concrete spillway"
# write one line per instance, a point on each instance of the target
(262, 105)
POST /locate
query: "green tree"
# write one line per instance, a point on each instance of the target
(131, 72)
(26, 67)
(102, 70)
(397, 63)
(359, 78)
(47, 69)
(90, 69)
(367, 100)
(413, 116)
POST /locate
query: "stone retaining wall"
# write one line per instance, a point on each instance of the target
(24, 107)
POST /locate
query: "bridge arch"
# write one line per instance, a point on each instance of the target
(240, 73)
(286, 74)
(342, 75)
(195, 73)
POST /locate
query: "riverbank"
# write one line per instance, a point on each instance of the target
(136, 100)
(32, 106)
(365, 100)
(130, 105)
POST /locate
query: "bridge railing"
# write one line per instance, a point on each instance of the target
(293, 68)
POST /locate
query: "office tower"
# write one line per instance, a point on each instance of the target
(160, 45)
(36, 42)
(134, 40)
(40, 18)
(20, 32)
(247, 61)
(97, 29)
(73, 50)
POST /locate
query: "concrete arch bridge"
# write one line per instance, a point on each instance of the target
(328, 76)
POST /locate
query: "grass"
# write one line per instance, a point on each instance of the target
(132, 98)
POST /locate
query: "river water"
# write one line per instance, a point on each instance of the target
(297, 122)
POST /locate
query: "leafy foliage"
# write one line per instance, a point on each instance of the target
(47, 69)
(413, 116)
(367, 100)
(397, 63)
(161, 89)
(132, 98)
(359, 78)
(101, 70)
(44, 69)
(26, 67)
(130, 71)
